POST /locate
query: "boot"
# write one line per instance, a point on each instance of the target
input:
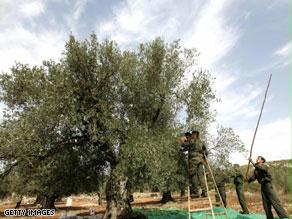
(204, 195)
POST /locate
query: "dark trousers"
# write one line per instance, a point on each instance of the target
(222, 193)
(197, 179)
(270, 199)
(241, 198)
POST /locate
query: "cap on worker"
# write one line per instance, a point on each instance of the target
(262, 158)
(195, 131)
(188, 134)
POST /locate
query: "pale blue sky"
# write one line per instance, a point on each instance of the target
(240, 43)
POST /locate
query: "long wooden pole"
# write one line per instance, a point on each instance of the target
(209, 198)
(215, 185)
(258, 122)
(189, 202)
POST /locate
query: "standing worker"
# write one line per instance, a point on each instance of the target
(237, 176)
(196, 149)
(269, 196)
(198, 160)
(221, 178)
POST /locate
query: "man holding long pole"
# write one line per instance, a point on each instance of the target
(262, 175)
(269, 196)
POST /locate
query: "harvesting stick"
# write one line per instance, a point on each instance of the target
(209, 198)
(215, 185)
(258, 122)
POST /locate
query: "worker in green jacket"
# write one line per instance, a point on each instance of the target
(221, 178)
(238, 180)
(196, 150)
(269, 196)
(197, 162)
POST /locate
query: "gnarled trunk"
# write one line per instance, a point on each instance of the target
(182, 192)
(166, 197)
(39, 200)
(18, 203)
(117, 197)
(46, 201)
(99, 198)
(50, 202)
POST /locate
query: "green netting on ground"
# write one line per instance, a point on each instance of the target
(182, 214)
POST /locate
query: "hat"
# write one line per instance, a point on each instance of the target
(262, 158)
(188, 134)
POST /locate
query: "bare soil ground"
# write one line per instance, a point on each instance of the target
(82, 203)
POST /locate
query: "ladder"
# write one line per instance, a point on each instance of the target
(208, 198)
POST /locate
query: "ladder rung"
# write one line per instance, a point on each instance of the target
(199, 209)
(205, 202)
(199, 199)
(217, 213)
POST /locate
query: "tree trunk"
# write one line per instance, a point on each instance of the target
(182, 192)
(18, 203)
(166, 197)
(39, 199)
(99, 198)
(46, 201)
(50, 203)
(117, 197)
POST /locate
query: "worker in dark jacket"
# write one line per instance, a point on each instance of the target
(269, 196)
(221, 178)
(237, 176)
(197, 151)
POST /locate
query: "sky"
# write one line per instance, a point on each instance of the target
(240, 43)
